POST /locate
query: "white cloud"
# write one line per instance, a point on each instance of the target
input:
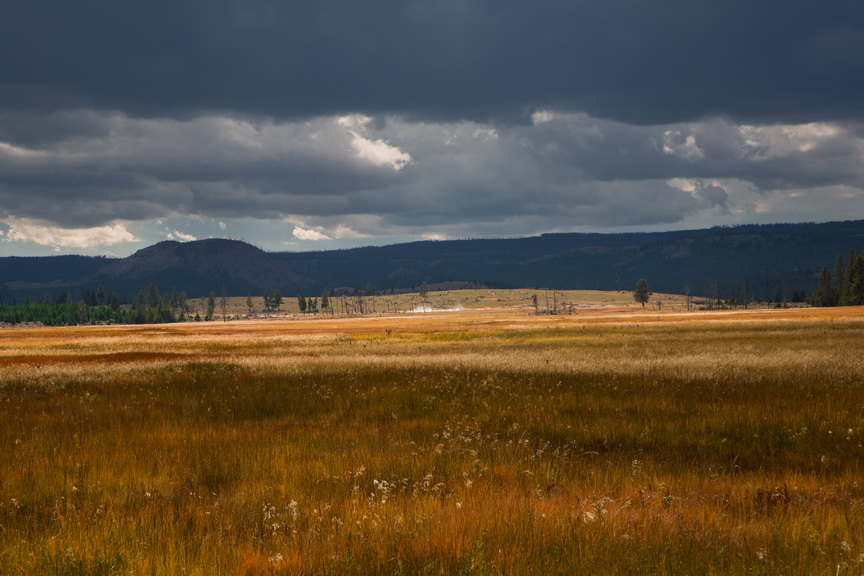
(38, 232)
(180, 236)
(768, 142)
(342, 179)
(308, 234)
(685, 184)
(542, 117)
(676, 143)
(377, 152)
(712, 193)
(353, 121)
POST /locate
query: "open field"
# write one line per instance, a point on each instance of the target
(487, 441)
(490, 300)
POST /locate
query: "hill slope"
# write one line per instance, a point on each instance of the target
(197, 267)
(760, 260)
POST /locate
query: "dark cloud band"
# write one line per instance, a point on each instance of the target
(630, 60)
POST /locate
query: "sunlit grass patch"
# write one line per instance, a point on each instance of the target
(637, 444)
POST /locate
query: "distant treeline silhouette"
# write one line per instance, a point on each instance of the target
(148, 307)
(844, 285)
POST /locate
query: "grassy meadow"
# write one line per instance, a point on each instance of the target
(490, 300)
(475, 442)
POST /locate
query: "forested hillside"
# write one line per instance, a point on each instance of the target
(760, 260)
(754, 261)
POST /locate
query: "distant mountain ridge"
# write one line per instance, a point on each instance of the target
(229, 262)
(761, 259)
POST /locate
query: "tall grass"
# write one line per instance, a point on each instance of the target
(566, 448)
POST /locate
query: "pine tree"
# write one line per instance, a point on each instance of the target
(642, 293)
(83, 313)
(275, 299)
(825, 294)
(153, 298)
(325, 302)
(211, 306)
(839, 273)
(853, 284)
(223, 304)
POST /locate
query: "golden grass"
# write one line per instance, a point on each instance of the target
(488, 300)
(478, 442)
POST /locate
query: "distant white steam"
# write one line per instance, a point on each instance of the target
(430, 308)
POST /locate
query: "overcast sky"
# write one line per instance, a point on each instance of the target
(335, 123)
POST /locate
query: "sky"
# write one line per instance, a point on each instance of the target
(301, 126)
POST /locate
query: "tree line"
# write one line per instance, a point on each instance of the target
(844, 285)
(149, 306)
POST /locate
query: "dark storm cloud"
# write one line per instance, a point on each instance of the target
(632, 60)
(562, 170)
(134, 169)
(416, 118)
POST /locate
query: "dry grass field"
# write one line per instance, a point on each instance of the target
(485, 441)
(489, 300)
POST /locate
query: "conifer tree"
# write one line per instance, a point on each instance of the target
(825, 293)
(211, 306)
(83, 312)
(153, 297)
(839, 274)
(642, 293)
(325, 302)
(853, 283)
(275, 299)
(223, 304)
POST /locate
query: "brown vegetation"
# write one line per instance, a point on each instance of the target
(479, 442)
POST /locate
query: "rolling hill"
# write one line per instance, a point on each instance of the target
(761, 260)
